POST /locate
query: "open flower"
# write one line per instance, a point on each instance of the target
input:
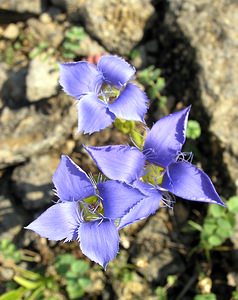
(104, 92)
(160, 164)
(86, 212)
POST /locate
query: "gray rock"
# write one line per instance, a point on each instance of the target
(89, 47)
(11, 222)
(42, 79)
(118, 25)
(211, 28)
(45, 30)
(33, 181)
(22, 6)
(35, 129)
(151, 254)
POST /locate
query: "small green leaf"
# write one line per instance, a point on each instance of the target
(171, 279)
(37, 294)
(224, 223)
(161, 293)
(13, 295)
(28, 284)
(209, 296)
(223, 233)
(215, 240)
(71, 47)
(69, 55)
(74, 291)
(232, 204)
(231, 219)
(209, 229)
(84, 282)
(195, 225)
(79, 267)
(235, 295)
(216, 211)
(193, 130)
(30, 275)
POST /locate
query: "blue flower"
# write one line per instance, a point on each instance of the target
(104, 92)
(161, 165)
(87, 212)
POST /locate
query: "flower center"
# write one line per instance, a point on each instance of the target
(91, 208)
(153, 174)
(108, 93)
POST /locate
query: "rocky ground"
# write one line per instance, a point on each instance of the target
(194, 43)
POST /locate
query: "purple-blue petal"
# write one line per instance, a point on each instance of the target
(146, 207)
(118, 198)
(166, 138)
(71, 182)
(188, 182)
(122, 163)
(59, 222)
(79, 78)
(116, 71)
(132, 104)
(99, 241)
(93, 114)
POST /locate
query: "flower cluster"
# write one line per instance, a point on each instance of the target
(139, 181)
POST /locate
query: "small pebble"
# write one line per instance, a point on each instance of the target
(45, 18)
(11, 32)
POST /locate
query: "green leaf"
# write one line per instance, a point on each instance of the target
(13, 295)
(231, 219)
(28, 284)
(162, 101)
(74, 291)
(216, 211)
(37, 293)
(223, 233)
(127, 276)
(235, 295)
(71, 47)
(215, 240)
(65, 259)
(232, 204)
(160, 83)
(193, 130)
(75, 34)
(161, 293)
(79, 267)
(84, 282)
(4, 244)
(209, 296)
(171, 279)
(195, 225)
(30, 275)
(224, 223)
(69, 55)
(209, 229)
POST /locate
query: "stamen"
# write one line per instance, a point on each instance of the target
(94, 182)
(148, 152)
(185, 156)
(108, 93)
(168, 200)
(91, 208)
